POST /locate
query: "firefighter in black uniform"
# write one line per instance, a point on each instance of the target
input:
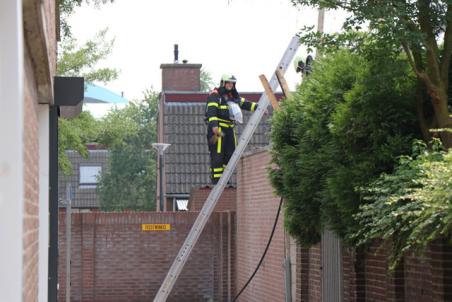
(222, 113)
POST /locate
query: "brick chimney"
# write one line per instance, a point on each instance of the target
(180, 77)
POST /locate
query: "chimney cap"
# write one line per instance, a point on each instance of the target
(171, 65)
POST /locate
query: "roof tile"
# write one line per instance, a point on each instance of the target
(187, 159)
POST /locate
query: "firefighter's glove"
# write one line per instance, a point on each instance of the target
(216, 134)
(216, 131)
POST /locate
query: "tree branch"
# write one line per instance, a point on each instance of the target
(416, 64)
(430, 41)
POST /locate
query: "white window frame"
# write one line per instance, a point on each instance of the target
(44, 223)
(92, 182)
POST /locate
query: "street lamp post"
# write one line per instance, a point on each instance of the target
(161, 147)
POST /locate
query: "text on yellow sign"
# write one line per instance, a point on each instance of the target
(156, 227)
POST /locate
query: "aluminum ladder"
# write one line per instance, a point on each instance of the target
(216, 192)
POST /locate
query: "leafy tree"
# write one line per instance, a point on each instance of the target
(82, 61)
(206, 81)
(74, 134)
(420, 28)
(128, 133)
(344, 126)
(411, 206)
(67, 8)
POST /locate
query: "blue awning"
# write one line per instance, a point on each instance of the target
(97, 94)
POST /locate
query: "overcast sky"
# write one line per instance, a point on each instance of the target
(245, 38)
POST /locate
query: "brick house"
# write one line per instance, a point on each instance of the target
(32, 98)
(27, 69)
(181, 124)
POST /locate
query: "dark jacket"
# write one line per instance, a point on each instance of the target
(217, 110)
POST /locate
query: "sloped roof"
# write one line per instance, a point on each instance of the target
(187, 159)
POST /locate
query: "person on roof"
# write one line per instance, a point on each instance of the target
(223, 111)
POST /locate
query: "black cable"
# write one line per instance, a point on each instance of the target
(263, 255)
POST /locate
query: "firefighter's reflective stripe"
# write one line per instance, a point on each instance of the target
(224, 107)
(253, 106)
(217, 175)
(242, 100)
(219, 142)
(226, 125)
(214, 118)
(218, 169)
(235, 138)
(222, 120)
(212, 104)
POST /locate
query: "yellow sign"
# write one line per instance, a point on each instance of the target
(156, 227)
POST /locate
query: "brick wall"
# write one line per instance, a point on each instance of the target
(314, 274)
(39, 68)
(353, 275)
(113, 260)
(416, 279)
(31, 190)
(381, 284)
(365, 273)
(227, 201)
(309, 274)
(301, 282)
(227, 256)
(256, 211)
(429, 277)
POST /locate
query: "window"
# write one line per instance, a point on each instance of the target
(89, 176)
(182, 204)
